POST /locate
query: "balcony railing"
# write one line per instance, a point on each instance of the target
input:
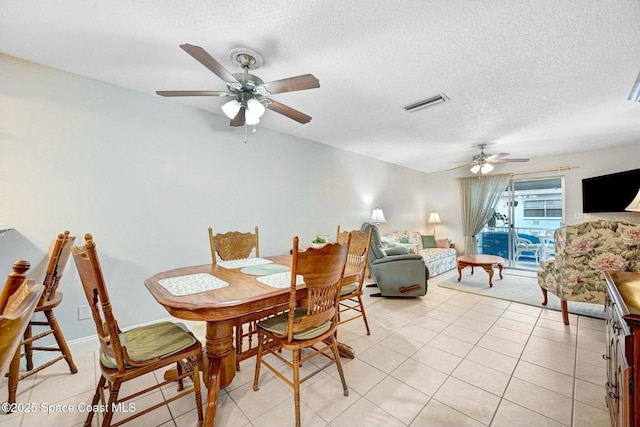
(529, 245)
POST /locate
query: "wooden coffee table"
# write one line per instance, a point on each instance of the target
(486, 262)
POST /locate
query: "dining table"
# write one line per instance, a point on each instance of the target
(225, 294)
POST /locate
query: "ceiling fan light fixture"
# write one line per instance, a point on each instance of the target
(231, 108)
(483, 168)
(251, 118)
(255, 107)
(426, 102)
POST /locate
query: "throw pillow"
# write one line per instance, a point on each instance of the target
(442, 243)
(428, 242)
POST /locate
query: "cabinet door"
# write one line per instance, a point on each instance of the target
(610, 350)
(618, 385)
(622, 386)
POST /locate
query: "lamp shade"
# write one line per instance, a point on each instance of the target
(255, 107)
(231, 108)
(434, 218)
(634, 206)
(377, 216)
(635, 92)
(251, 118)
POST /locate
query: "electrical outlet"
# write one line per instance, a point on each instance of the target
(84, 312)
(579, 215)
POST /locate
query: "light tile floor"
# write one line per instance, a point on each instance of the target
(447, 359)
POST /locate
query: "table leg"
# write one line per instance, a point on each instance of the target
(500, 268)
(461, 266)
(346, 351)
(213, 369)
(489, 270)
(220, 365)
(343, 349)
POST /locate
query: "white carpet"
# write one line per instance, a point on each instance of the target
(518, 286)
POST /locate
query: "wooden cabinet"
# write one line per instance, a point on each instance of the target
(622, 316)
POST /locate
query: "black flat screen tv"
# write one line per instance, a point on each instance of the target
(610, 193)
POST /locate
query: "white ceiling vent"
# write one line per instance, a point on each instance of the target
(426, 102)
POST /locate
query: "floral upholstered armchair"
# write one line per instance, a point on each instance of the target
(582, 252)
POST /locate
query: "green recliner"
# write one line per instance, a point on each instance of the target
(396, 272)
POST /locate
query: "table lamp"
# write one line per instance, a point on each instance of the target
(377, 216)
(434, 219)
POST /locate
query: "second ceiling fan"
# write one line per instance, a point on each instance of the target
(482, 163)
(250, 95)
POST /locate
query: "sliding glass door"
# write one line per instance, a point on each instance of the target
(524, 221)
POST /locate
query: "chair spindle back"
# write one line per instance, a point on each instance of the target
(233, 245)
(18, 301)
(322, 270)
(95, 289)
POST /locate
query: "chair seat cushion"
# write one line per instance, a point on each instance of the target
(152, 341)
(348, 289)
(278, 325)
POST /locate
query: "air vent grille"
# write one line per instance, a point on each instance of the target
(426, 102)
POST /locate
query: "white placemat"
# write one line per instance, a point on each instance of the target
(264, 270)
(280, 280)
(192, 284)
(244, 262)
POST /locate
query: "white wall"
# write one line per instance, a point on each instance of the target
(147, 177)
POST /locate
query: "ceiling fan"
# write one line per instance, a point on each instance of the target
(482, 162)
(248, 92)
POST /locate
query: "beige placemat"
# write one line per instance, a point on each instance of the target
(264, 270)
(192, 284)
(244, 262)
(280, 280)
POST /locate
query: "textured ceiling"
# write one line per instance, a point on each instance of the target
(533, 78)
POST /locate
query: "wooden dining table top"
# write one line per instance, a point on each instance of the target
(244, 295)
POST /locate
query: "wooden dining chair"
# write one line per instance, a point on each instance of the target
(310, 323)
(18, 300)
(127, 355)
(351, 293)
(233, 245)
(229, 246)
(50, 299)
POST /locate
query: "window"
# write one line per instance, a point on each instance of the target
(543, 208)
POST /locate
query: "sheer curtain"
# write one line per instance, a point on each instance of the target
(478, 198)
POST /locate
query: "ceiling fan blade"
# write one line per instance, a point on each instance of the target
(462, 166)
(239, 119)
(208, 61)
(288, 112)
(491, 157)
(192, 93)
(305, 81)
(508, 160)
